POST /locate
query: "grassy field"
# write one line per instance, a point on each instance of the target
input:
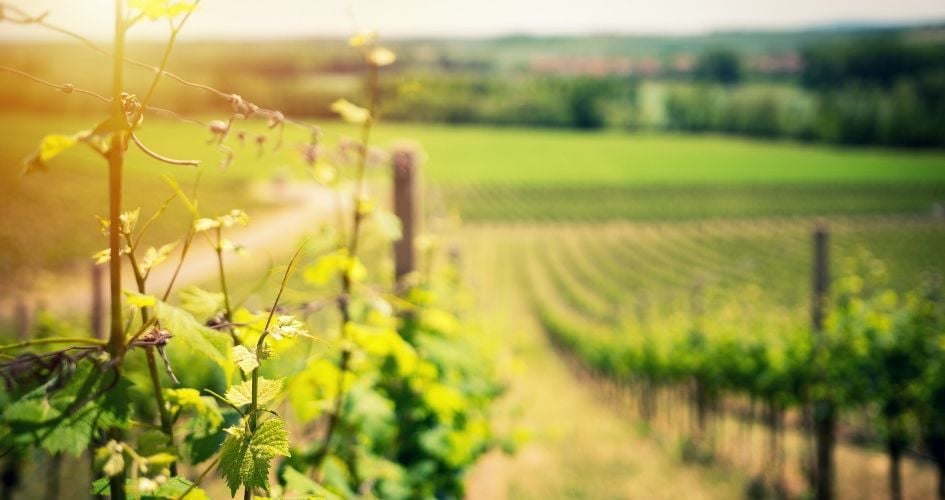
(484, 173)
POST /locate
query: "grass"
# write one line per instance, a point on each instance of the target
(485, 173)
(513, 174)
(478, 155)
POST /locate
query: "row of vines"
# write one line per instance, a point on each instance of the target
(334, 378)
(707, 329)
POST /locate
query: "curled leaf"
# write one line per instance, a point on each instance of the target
(287, 327)
(245, 358)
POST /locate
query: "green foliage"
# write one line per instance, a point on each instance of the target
(745, 332)
(64, 418)
(242, 393)
(170, 488)
(245, 458)
(544, 101)
(719, 66)
(194, 336)
(201, 303)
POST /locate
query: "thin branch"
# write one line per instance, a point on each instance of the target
(175, 115)
(199, 479)
(54, 340)
(231, 98)
(68, 88)
(165, 58)
(225, 401)
(65, 88)
(160, 157)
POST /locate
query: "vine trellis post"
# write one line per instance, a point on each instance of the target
(824, 409)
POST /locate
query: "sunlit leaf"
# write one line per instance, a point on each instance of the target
(245, 359)
(193, 335)
(246, 461)
(287, 327)
(155, 256)
(139, 300)
(242, 394)
(201, 303)
(350, 112)
(50, 147)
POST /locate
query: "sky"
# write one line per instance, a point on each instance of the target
(262, 19)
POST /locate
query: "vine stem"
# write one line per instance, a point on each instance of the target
(228, 310)
(335, 417)
(54, 340)
(254, 403)
(116, 157)
(167, 426)
(200, 479)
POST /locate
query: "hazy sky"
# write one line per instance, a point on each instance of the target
(291, 18)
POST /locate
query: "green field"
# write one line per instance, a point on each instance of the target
(483, 173)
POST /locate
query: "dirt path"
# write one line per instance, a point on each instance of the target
(578, 446)
(267, 237)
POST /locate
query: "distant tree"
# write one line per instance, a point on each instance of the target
(585, 98)
(882, 61)
(719, 66)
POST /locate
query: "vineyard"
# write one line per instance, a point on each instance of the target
(701, 332)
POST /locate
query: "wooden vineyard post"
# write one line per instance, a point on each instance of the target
(821, 278)
(23, 319)
(824, 410)
(97, 310)
(404, 159)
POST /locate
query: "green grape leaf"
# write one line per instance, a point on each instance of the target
(139, 300)
(245, 358)
(50, 147)
(246, 461)
(201, 303)
(54, 144)
(194, 336)
(287, 327)
(242, 394)
(99, 486)
(65, 421)
(155, 256)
